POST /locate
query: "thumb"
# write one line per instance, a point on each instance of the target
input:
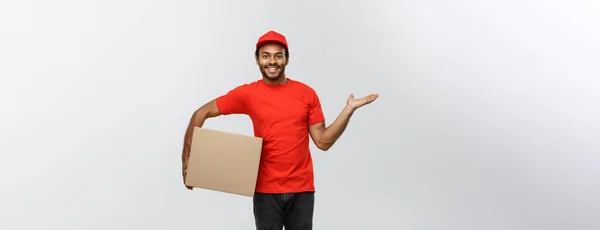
(351, 96)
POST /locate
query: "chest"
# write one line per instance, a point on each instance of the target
(290, 109)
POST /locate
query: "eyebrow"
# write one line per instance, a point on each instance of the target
(265, 52)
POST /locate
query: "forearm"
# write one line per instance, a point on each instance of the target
(333, 132)
(208, 110)
(197, 120)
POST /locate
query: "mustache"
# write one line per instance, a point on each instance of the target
(267, 66)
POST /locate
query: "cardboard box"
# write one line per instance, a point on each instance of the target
(223, 161)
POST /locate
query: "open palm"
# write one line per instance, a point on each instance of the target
(356, 103)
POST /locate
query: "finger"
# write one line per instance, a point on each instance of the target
(372, 97)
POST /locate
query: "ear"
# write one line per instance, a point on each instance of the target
(287, 60)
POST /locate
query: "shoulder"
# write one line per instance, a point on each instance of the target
(248, 85)
(244, 87)
(303, 87)
(308, 93)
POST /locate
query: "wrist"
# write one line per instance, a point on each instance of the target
(349, 109)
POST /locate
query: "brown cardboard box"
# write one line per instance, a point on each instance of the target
(223, 161)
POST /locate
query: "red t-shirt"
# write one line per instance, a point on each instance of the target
(280, 115)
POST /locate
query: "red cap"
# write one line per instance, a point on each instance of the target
(272, 36)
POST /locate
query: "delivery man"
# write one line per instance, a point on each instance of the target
(284, 112)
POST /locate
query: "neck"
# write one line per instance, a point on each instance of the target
(279, 81)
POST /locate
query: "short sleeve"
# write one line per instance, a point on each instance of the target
(315, 114)
(234, 101)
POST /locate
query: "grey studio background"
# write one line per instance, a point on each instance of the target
(488, 116)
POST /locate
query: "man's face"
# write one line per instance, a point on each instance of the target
(271, 60)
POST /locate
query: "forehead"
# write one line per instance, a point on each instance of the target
(271, 48)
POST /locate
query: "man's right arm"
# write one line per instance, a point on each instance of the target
(233, 102)
(206, 111)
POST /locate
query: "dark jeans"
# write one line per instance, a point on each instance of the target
(294, 211)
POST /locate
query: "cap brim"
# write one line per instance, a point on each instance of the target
(258, 45)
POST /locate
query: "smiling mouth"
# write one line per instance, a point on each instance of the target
(272, 69)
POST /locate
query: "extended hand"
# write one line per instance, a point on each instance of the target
(355, 103)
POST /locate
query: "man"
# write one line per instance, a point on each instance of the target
(284, 112)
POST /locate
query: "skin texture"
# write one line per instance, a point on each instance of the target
(274, 55)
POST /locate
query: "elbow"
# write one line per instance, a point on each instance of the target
(209, 110)
(198, 117)
(201, 113)
(323, 146)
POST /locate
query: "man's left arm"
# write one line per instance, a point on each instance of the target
(325, 136)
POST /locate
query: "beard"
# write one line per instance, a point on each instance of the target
(279, 70)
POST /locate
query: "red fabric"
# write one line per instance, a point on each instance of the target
(280, 115)
(272, 36)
